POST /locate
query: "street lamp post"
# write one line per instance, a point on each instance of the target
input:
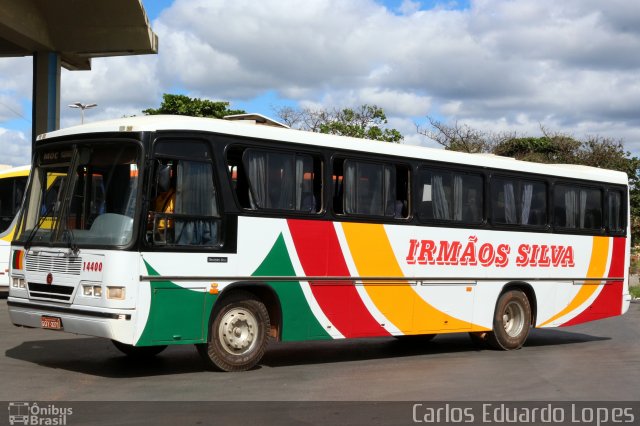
(82, 107)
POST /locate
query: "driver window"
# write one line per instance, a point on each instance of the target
(184, 210)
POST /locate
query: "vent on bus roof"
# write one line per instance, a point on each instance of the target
(255, 119)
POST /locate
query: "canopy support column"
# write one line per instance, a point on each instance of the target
(46, 93)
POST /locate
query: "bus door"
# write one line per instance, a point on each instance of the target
(184, 225)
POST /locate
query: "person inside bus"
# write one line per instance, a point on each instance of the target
(165, 200)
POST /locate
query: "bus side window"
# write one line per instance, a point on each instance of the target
(185, 210)
(197, 220)
(274, 180)
(615, 211)
(518, 202)
(337, 177)
(238, 178)
(450, 195)
(6, 194)
(163, 202)
(401, 204)
(369, 189)
(372, 189)
(11, 192)
(577, 207)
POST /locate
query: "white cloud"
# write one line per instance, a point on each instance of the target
(16, 76)
(15, 147)
(10, 108)
(408, 7)
(120, 86)
(570, 65)
(496, 61)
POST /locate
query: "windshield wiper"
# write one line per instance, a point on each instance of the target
(67, 234)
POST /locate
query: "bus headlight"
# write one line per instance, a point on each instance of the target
(18, 282)
(116, 293)
(92, 290)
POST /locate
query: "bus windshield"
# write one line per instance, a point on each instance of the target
(84, 195)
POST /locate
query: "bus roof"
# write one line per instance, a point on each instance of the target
(15, 171)
(174, 122)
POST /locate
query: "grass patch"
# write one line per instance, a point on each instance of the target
(635, 291)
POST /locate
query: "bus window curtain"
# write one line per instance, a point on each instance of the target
(583, 207)
(283, 189)
(570, 208)
(299, 184)
(375, 190)
(389, 191)
(256, 164)
(306, 200)
(440, 204)
(527, 196)
(457, 198)
(195, 196)
(350, 187)
(509, 203)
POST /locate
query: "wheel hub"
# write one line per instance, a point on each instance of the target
(513, 319)
(237, 331)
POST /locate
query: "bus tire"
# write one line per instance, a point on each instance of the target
(239, 333)
(138, 352)
(511, 321)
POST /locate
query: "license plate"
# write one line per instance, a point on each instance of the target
(52, 323)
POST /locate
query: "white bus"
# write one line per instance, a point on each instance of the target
(13, 181)
(274, 233)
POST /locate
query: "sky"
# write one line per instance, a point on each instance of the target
(572, 66)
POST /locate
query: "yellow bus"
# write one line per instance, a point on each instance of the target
(13, 181)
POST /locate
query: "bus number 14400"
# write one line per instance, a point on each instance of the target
(92, 266)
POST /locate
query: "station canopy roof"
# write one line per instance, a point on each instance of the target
(76, 29)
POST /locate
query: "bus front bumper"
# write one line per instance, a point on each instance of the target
(107, 323)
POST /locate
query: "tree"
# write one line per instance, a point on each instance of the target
(195, 107)
(461, 137)
(366, 122)
(551, 147)
(610, 154)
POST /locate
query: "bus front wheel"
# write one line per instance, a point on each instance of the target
(239, 333)
(511, 321)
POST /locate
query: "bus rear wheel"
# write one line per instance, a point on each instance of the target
(511, 321)
(239, 333)
(138, 352)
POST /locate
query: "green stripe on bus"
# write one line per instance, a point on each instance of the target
(177, 315)
(298, 322)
